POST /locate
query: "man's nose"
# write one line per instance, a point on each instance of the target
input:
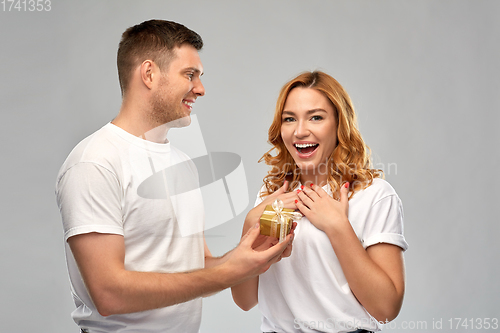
(198, 88)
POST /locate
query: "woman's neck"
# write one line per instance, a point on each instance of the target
(311, 177)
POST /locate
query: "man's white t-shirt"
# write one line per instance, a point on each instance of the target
(116, 183)
(308, 291)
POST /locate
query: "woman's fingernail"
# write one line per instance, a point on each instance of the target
(296, 201)
(298, 191)
(302, 187)
(346, 185)
(312, 184)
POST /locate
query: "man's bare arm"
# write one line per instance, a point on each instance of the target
(115, 290)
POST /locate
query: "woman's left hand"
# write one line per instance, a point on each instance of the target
(322, 210)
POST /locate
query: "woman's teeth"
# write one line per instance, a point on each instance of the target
(305, 148)
(305, 145)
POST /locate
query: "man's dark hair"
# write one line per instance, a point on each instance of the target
(153, 40)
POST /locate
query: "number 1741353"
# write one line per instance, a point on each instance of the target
(26, 5)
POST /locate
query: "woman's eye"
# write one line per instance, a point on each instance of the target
(316, 118)
(288, 119)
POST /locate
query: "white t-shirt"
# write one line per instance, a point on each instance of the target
(114, 182)
(308, 291)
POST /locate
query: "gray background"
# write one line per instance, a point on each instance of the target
(423, 75)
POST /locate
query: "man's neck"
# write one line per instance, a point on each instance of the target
(138, 124)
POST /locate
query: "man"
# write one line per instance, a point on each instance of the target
(137, 258)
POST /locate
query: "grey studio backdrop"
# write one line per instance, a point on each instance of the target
(424, 77)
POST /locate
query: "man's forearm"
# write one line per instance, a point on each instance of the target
(115, 290)
(132, 291)
(215, 261)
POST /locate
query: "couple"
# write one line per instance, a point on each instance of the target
(133, 270)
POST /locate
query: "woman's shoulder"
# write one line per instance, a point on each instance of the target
(261, 195)
(262, 191)
(382, 185)
(378, 190)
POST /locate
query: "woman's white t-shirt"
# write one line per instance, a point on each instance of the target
(308, 291)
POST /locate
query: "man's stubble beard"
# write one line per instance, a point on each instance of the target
(165, 112)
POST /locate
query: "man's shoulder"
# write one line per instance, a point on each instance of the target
(100, 147)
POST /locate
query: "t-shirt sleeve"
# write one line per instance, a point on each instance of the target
(260, 196)
(89, 198)
(384, 223)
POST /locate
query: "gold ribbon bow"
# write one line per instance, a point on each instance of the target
(281, 217)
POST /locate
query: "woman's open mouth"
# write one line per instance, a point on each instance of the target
(306, 149)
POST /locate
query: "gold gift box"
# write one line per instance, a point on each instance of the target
(269, 225)
(275, 217)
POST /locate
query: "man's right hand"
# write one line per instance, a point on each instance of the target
(247, 260)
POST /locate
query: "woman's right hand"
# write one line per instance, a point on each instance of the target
(288, 199)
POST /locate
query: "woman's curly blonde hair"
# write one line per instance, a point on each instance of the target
(349, 161)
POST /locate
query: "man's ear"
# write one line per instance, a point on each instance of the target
(148, 71)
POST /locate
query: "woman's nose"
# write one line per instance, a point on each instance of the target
(301, 131)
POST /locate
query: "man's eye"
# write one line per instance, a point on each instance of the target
(190, 76)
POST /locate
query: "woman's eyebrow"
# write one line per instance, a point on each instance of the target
(308, 112)
(315, 110)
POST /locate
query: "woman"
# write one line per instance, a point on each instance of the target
(346, 270)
